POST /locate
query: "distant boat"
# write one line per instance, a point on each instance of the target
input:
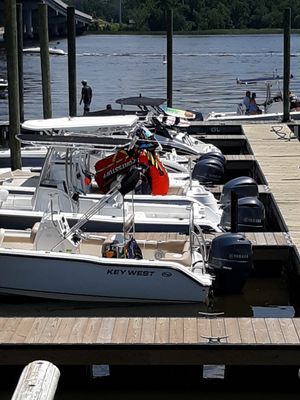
(34, 50)
(3, 84)
(3, 88)
(164, 59)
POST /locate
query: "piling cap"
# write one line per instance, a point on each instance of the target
(84, 82)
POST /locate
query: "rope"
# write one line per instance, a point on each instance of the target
(278, 130)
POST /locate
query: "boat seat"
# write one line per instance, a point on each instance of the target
(2, 234)
(34, 230)
(184, 257)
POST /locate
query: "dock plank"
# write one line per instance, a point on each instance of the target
(64, 331)
(190, 331)
(8, 329)
(148, 330)
(260, 330)
(36, 330)
(176, 330)
(275, 331)
(288, 330)
(162, 330)
(246, 330)
(232, 330)
(106, 330)
(92, 329)
(22, 331)
(204, 329)
(78, 329)
(120, 330)
(50, 329)
(134, 330)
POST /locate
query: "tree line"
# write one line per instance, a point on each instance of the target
(188, 15)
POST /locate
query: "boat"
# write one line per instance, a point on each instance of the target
(3, 88)
(55, 261)
(37, 50)
(3, 84)
(64, 176)
(271, 109)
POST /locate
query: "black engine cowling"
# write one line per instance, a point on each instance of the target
(243, 186)
(251, 215)
(208, 170)
(215, 155)
(231, 262)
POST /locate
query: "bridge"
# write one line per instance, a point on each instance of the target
(57, 14)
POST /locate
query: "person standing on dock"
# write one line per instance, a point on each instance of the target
(86, 96)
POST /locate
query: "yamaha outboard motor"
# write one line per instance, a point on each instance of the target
(216, 155)
(231, 262)
(208, 170)
(251, 215)
(243, 186)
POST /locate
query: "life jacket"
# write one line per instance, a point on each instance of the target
(158, 175)
(108, 168)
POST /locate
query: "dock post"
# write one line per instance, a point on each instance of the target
(286, 64)
(234, 212)
(45, 60)
(20, 58)
(169, 57)
(13, 82)
(38, 380)
(72, 61)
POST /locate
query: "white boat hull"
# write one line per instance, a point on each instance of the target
(81, 278)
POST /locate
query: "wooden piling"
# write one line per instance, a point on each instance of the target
(72, 61)
(169, 12)
(45, 60)
(38, 380)
(20, 59)
(13, 82)
(286, 64)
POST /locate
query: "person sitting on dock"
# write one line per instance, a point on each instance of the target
(86, 96)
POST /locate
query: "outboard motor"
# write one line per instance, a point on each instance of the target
(215, 155)
(243, 186)
(251, 215)
(231, 262)
(208, 170)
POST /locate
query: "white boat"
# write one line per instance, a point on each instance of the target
(63, 176)
(3, 84)
(37, 50)
(271, 109)
(52, 260)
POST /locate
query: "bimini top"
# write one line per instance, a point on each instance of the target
(141, 101)
(260, 79)
(115, 123)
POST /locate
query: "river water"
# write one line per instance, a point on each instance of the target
(205, 69)
(205, 72)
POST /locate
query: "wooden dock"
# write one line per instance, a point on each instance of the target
(278, 155)
(151, 341)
